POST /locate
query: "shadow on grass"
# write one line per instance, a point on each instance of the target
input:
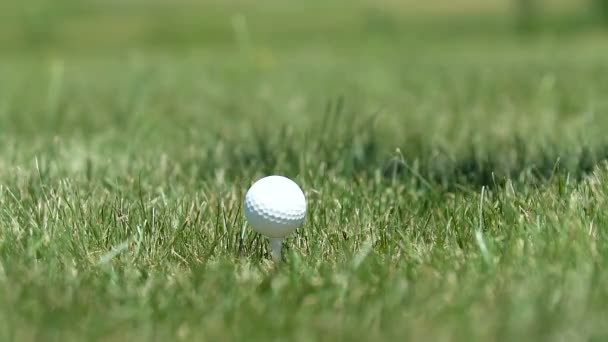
(476, 168)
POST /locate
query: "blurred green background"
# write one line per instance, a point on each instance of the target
(99, 25)
(437, 74)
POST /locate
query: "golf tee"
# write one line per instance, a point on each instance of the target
(275, 247)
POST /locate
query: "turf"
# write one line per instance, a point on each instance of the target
(456, 176)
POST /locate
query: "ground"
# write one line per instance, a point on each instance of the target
(454, 167)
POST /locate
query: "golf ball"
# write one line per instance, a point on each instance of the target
(275, 206)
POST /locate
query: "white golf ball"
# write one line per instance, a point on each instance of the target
(275, 206)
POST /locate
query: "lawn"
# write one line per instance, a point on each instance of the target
(455, 172)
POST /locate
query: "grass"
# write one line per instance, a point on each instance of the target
(456, 187)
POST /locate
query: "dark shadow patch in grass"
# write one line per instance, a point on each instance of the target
(515, 162)
(349, 146)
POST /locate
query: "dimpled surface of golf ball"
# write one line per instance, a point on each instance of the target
(275, 206)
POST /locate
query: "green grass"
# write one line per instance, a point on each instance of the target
(457, 185)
